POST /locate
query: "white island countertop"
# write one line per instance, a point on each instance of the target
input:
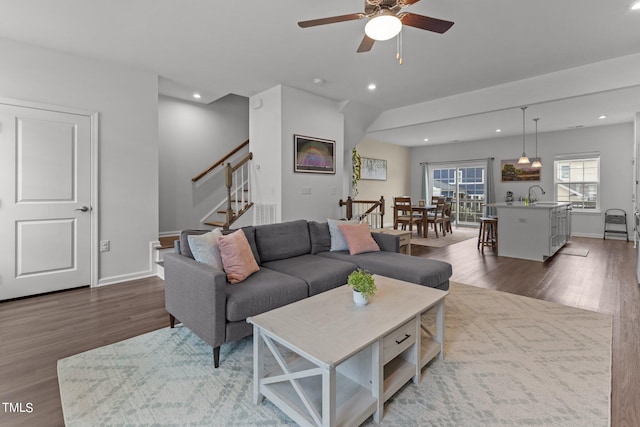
(536, 205)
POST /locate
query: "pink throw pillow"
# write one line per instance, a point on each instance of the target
(237, 258)
(359, 238)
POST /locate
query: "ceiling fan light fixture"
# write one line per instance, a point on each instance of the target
(383, 26)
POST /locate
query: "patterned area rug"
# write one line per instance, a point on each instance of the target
(459, 234)
(509, 360)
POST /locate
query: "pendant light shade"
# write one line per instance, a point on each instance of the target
(523, 159)
(536, 161)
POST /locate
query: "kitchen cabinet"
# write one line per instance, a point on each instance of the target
(534, 232)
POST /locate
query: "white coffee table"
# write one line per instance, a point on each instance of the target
(349, 359)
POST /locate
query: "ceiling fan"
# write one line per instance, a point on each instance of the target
(385, 21)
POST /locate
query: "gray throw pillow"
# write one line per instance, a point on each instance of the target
(338, 242)
(205, 248)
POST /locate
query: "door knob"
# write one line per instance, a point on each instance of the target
(83, 209)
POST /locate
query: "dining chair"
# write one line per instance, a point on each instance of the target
(445, 221)
(435, 218)
(403, 215)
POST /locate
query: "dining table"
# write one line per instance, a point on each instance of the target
(424, 211)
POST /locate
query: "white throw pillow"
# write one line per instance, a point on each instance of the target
(205, 248)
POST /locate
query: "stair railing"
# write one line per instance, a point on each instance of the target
(237, 181)
(219, 162)
(238, 194)
(369, 211)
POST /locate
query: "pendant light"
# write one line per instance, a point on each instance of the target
(536, 162)
(523, 159)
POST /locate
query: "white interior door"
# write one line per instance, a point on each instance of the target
(45, 201)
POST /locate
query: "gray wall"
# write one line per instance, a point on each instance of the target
(192, 137)
(311, 115)
(126, 101)
(614, 142)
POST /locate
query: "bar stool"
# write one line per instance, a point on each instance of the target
(488, 233)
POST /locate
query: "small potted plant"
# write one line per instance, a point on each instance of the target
(363, 286)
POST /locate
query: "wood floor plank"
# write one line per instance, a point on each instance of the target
(36, 332)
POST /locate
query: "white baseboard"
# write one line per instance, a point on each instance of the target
(125, 278)
(151, 271)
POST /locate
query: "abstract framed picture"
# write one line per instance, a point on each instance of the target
(375, 169)
(512, 171)
(314, 155)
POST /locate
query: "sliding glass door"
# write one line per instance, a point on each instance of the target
(464, 186)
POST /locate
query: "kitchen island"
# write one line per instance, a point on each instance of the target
(535, 231)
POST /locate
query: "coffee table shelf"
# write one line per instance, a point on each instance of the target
(429, 349)
(396, 374)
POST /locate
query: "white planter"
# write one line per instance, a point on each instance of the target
(360, 299)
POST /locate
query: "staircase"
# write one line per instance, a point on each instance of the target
(238, 198)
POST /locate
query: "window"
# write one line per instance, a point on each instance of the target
(465, 186)
(577, 180)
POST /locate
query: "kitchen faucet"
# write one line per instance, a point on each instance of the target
(531, 199)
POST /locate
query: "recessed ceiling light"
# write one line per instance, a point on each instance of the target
(196, 95)
(426, 140)
(318, 81)
(498, 130)
(635, 6)
(372, 86)
(603, 116)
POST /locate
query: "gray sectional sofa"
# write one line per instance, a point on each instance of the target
(295, 262)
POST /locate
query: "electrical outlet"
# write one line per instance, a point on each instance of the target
(105, 246)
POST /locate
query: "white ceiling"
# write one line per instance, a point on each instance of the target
(217, 48)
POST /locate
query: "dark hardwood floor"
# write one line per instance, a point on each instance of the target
(36, 332)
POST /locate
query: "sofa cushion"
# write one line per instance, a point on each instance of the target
(358, 237)
(321, 274)
(284, 240)
(320, 237)
(237, 258)
(205, 248)
(263, 291)
(422, 271)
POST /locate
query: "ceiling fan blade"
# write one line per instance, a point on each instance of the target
(331, 20)
(366, 44)
(410, 2)
(426, 22)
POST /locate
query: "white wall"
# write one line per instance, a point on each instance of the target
(614, 142)
(192, 137)
(398, 181)
(265, 142)
(126, 101)
(275, 116)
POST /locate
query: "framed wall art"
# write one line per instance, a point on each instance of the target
(314, 155)
(375, 169)
(512, 171)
